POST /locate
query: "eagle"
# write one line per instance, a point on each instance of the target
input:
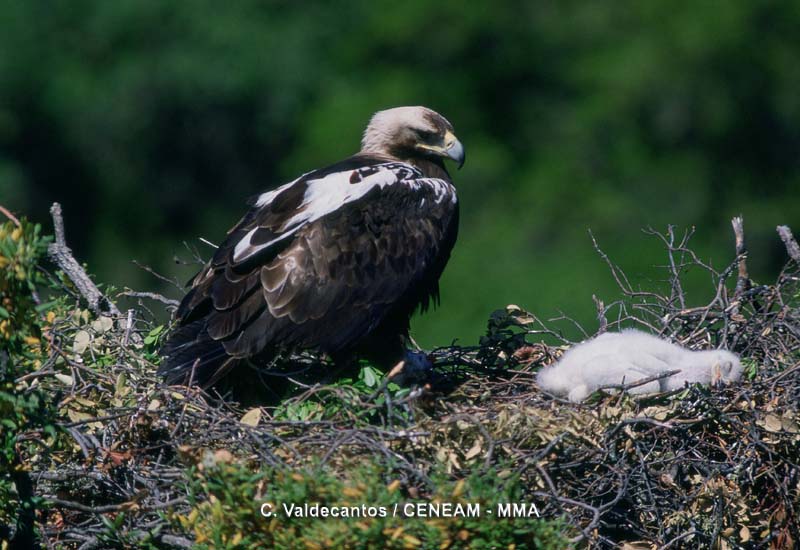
(334, 262)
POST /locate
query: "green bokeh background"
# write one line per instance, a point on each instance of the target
(153, 121)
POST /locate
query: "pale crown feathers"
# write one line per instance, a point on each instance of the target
(385, 126)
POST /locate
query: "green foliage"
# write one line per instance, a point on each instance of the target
(370, 380)
(227, 499)
(369, 376)
(152, 343)
(26, 414)
(750, 368)
(20, 249)
(301, 411)
(364, 397)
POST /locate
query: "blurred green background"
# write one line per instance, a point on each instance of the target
(153, 121)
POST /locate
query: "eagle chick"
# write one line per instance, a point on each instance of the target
(632, 355)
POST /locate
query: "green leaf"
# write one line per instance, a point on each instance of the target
(46, 306)
(152, 336)
(370, 377)
(402, 393)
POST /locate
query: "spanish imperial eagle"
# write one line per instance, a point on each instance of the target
(335, 261)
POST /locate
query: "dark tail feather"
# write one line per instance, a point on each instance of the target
(191, 355)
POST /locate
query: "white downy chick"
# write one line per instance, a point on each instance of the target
(632, 355)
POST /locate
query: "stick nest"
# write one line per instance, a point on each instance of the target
(694, 468)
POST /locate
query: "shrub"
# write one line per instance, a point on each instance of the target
(25, 414)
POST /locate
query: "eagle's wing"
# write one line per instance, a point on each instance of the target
(317, 263)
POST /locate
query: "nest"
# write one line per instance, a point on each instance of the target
(693, 468)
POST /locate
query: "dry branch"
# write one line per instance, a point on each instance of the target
(151, 296)
(743, 280)
(789, 241)
(601, 314)
(63, 258)
(7, 213)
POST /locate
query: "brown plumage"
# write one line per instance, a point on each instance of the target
(335, 261)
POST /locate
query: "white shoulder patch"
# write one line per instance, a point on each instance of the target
(245, 248)
(332, 191)
(266, 198)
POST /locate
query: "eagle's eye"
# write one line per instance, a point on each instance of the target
(426, 136)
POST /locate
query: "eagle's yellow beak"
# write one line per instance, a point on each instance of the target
(454, 149)
(450, 148)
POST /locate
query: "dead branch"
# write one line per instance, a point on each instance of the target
(601, 314)
(152, 296)
(7, 213)
(743, 280)
(61, 503)
(789, 241)
(642, 382)
(154, 273)
(63, 258)
(128, 328)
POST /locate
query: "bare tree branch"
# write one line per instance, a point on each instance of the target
(791, 244)
(62, 256)
(743, 280)
(7, 213)
(151, 296)
(601, 314)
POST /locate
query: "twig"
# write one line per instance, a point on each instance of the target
(743, 280)
(679, 538)
(128, 327)
(206, 241)
(642, 382)
(62, 256)
(151, 296)
(590, 464)
(7, 213)
(125, 506)
(125, 412)
(158, 276)
(601, 314)
(178, 542)
(789, 241)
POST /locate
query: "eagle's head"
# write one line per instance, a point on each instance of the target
(412, 132)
